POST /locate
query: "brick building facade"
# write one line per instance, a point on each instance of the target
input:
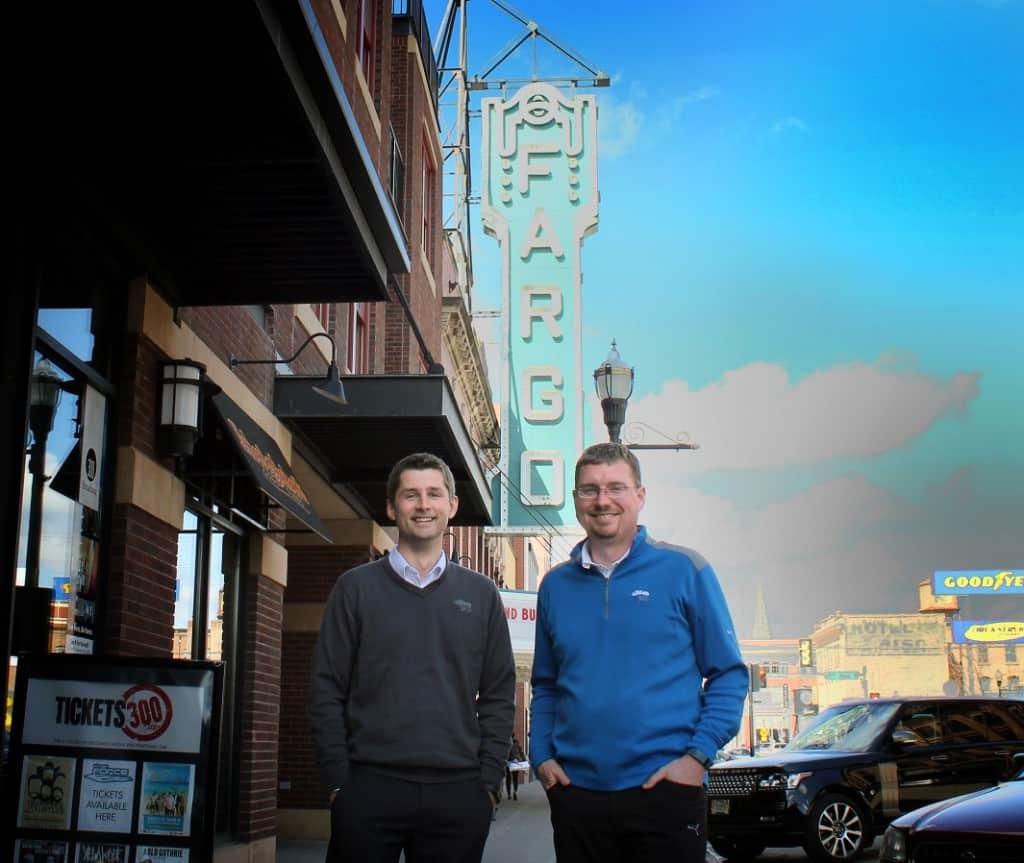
(253, 180)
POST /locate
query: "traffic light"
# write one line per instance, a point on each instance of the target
(755, 677)
(806, 655)
(762, 677)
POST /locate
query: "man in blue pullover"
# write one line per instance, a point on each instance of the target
(637, 680)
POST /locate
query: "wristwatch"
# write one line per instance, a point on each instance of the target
(699, 757)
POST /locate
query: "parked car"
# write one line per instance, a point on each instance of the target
(863, 764)
(984, 826)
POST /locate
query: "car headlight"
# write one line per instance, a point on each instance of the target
(779, 781)
(894, 846)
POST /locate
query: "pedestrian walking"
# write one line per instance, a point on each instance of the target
(412, 691)
(637, 680)
(517, 757)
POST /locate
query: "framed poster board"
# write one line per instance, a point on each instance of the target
(112, 760)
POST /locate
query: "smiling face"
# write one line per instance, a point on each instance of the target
(609, 519)
(421, 507)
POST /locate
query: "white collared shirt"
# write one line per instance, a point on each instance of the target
(411, 574)
(606, 569)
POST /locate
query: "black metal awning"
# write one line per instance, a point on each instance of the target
(208, 146)
(387, 417)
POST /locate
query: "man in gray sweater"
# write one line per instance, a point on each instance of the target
(412, 692)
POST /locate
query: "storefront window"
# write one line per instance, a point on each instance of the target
(58, 544)
(207, 602)
(72, 328)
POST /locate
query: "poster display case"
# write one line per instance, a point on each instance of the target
(112, 760)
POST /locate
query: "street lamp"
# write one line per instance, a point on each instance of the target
(613, 380)
(44, 397)
(999, 682)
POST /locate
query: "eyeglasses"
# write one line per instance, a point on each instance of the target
(614, 491)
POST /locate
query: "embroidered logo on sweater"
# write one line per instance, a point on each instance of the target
(464, 605)
(641, 595)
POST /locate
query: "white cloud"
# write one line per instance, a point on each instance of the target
(787, 123)
(756, 417)
(844, 545)
(699, 95)
(622, 120)
(619, 126)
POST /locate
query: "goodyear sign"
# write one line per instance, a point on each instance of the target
(988, 631)
(982, 581)
(539, 200)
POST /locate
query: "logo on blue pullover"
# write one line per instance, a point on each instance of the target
(641, 595)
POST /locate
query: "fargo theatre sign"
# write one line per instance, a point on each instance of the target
(539, 201)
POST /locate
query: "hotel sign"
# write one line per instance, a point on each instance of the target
(894, 635)
(539, 201)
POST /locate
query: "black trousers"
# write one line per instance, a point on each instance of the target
(511, 782)
(374, 818)
(667, 824)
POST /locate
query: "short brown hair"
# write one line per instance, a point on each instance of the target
(608, 453)
(419, 461)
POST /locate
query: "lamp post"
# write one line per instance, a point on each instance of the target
(613, 380)
(43, 400)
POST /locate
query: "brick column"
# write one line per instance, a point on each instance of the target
(313, 568)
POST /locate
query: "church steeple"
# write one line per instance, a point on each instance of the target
(762, 629)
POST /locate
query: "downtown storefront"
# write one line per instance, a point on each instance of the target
(165, 197)
(197, 190)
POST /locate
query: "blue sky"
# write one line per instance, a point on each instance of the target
(811, 248)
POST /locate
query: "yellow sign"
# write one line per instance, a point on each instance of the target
(1005, 630)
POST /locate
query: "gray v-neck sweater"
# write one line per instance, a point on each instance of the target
(417, 683)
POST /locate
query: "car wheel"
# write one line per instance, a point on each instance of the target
(837, 830)
(737, 852)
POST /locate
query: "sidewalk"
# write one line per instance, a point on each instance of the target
(520, 834)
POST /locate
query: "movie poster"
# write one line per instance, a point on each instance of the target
(166, 798)
(159, 854)
(102, 852)
(107, 794)
(41, 851)
(47, 783)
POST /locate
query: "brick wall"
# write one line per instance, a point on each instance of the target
(343, 49)
(261, 700)
(140, 584)
(415, 125)
(137, 386)
(312, 572)
(232, 330)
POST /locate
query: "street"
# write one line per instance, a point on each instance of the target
(522, 834)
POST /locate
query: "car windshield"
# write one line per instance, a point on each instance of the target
(845, 728)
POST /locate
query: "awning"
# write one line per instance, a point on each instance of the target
(267, 464)
(387, 417)
(209, 147)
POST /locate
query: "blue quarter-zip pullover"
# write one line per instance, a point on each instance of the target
(619, 665)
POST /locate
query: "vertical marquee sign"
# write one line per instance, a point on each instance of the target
(540, 198)
(112, 760)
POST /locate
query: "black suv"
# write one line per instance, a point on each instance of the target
(859, 766)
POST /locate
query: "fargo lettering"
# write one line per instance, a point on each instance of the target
(540, 199)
